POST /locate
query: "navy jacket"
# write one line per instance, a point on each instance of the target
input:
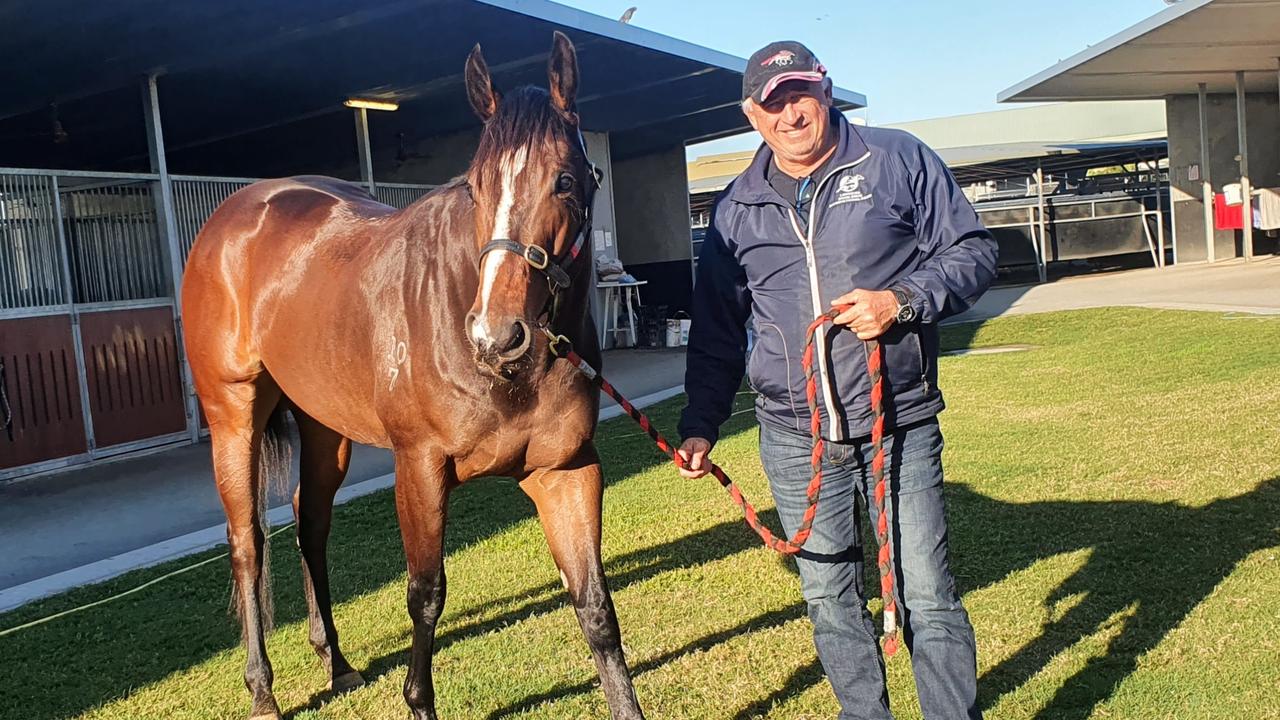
(888, 214)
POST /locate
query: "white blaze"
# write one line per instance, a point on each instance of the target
(511, 166)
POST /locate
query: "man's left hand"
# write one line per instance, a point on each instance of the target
(870, 312)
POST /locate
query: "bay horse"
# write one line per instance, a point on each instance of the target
(428, 331)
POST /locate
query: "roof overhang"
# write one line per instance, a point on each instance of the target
(238, 67)
(1019, 160)
(1191, 42)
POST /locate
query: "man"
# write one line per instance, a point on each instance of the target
(829, 214)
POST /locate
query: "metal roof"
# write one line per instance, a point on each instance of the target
(237, 67)
(1193, 41)
(1019, 160)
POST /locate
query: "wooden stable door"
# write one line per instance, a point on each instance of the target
(133, 374)
(41, 391)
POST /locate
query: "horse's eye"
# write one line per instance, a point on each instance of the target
(565, 183)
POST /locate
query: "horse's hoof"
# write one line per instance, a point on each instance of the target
(267, 716)
(343, 683)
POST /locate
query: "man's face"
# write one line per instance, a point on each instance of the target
(794, 120)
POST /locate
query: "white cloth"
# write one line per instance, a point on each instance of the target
(1268, 209)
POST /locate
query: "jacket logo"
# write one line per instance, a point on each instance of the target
(849, 189)
(782, 58)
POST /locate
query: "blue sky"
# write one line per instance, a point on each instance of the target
(913, 59)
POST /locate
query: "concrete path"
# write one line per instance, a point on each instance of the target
(1233, 286)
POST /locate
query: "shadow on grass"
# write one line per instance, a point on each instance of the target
(706, 546)
(763, 621)
(1159, 559)
(1151, 564)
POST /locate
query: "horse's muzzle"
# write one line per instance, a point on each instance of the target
(502, 352)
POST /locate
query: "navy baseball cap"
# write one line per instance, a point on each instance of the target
(776, 63)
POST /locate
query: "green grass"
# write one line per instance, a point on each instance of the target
(1114, 497)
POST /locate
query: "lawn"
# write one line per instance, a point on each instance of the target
(1114, 497)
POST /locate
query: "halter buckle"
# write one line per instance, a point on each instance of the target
(536, 256)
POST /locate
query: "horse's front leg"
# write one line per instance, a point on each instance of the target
(568, 503)
(423, 480)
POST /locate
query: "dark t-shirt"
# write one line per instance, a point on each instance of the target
(787, 187)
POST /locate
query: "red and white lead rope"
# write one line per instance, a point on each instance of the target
(561, 347)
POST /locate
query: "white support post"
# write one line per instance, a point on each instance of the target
(366, 153)
(1044, 244)
(1246, 191)
(1206, 180)
(171, 243)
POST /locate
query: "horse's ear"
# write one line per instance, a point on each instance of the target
(562, 72)
(483, 95)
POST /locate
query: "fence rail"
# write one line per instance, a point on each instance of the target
(30, 254)
(194, 200)
(114, 243)
(401, 195)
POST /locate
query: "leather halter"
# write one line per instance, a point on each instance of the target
(556, 271)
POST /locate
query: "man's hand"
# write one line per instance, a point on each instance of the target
(694, 455)
(870, 312)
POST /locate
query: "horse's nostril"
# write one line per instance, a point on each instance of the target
(518, 339)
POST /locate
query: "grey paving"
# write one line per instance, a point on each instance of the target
(1233, 286)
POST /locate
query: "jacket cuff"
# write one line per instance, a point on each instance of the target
(917, 299)
(711, 435)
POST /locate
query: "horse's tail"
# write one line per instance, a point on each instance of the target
(274, 465)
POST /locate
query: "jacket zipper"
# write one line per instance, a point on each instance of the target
(837, 421)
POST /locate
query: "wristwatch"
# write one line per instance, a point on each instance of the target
(906, 311)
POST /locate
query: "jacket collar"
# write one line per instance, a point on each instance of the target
(752, 186)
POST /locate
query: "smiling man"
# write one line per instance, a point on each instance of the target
(829, 214)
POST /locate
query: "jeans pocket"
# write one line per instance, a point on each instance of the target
(838, 453)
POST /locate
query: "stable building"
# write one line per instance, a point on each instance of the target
(123, 125)
(1216, 66)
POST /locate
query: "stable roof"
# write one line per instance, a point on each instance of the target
(1191, 42)
(235, 67)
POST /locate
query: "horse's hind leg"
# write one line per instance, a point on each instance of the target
(322, 467)
(238, 414)
(568, 503)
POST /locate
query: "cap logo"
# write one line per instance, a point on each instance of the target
(782, 58)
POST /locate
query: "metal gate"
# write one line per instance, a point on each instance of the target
(87, 329)
(90, 363)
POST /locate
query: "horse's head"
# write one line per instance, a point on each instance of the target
(532, 185)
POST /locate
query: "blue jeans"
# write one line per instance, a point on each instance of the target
(936, 627)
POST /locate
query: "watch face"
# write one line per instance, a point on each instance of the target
(906, 313)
